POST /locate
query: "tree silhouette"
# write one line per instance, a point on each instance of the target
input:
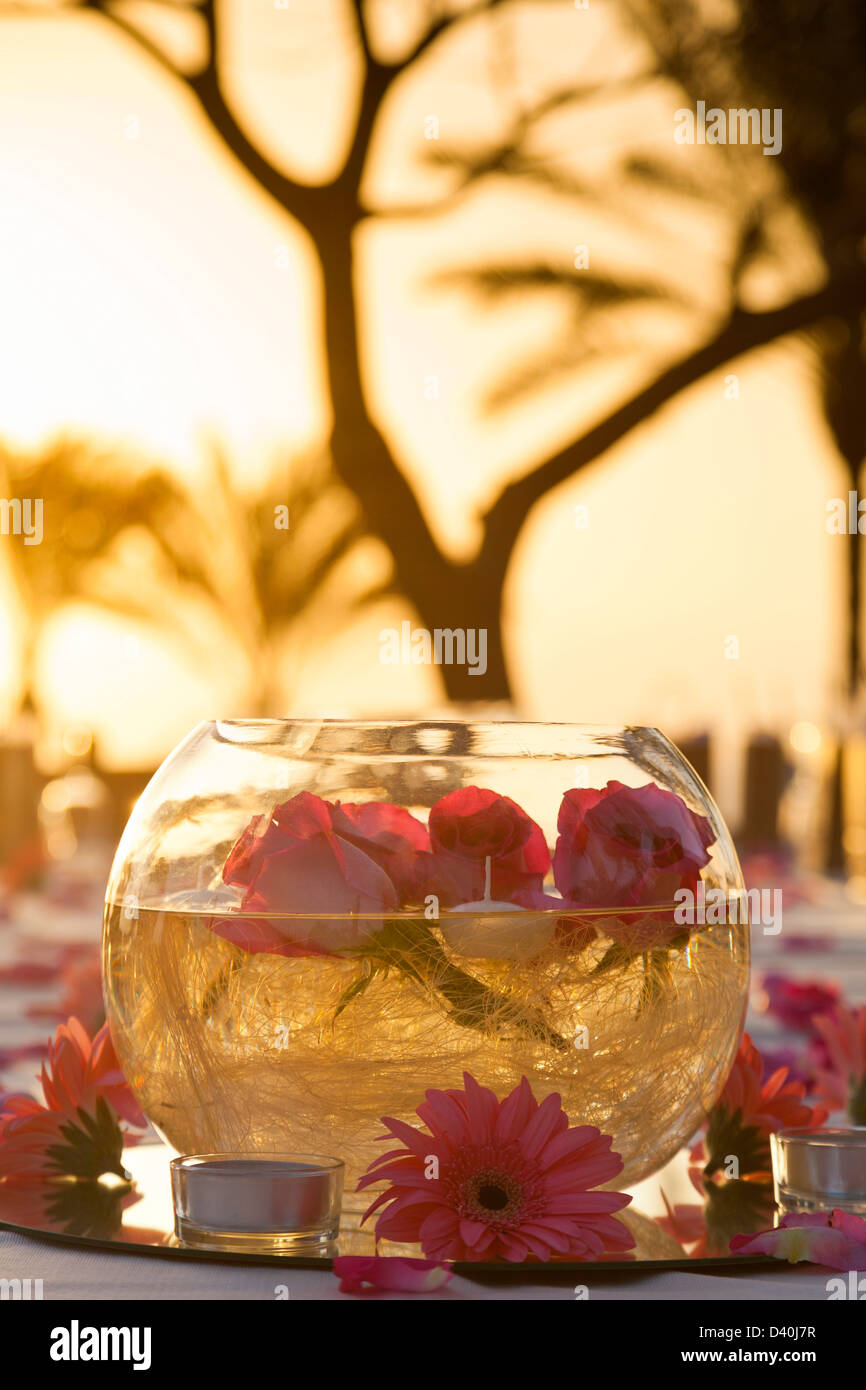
(265, 571)
(681, 49)
(808, 60)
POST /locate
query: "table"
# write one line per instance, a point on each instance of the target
(826, 939)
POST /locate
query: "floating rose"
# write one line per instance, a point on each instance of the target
(389, 835)
(622, 847)
(470, 826)
(628, 846)
(309, 857)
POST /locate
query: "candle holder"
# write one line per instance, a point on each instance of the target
(819, 1170)
(276, 1204)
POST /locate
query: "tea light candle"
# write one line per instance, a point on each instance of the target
(497, 930)
(819, 1169)
(281, 1203)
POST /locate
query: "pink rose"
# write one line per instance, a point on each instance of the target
(390, 836)
(626, 847)
(297, 863)
(470, 826)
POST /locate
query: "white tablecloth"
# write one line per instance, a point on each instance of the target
(77, 1273)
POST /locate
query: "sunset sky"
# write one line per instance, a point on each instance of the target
(154, 299)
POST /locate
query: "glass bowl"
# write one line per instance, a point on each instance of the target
(311, 923)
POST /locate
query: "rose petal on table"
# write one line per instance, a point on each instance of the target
(363, 1273)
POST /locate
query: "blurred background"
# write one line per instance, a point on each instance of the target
(321, 317)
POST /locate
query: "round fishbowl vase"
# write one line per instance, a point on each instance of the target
(309, 924)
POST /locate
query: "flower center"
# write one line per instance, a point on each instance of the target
(493, 1197)
(493, 1194)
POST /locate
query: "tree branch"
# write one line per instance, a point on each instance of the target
(445, 22)
(358, 7)
(298, 199)
(741, 333)
(141, 40)
(505, 157)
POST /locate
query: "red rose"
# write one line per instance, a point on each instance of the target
(296, 863)
(630, 846)
(390, 836)
(470, 826)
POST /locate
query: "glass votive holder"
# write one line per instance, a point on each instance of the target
(265, 1204)
(819, 1170)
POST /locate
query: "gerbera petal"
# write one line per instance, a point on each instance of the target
(548, 1120)
(443, 1114)
(563, 1145)
(482, 1109)
(407, 1171)
(414, 1139)
(401, 1224)
(470, 1231)
(379, 1201)
(439, 1225)
(516, 1110)
(553, 1236)
(589, 1202)
(486, 1239)
(514, 1249)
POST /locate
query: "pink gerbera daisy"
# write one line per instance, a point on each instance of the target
(766, 1105)
(498, 1180)
(76, 1131)
(748, 1111)
(77, 1071)
(841, 1081)
(28, 1133)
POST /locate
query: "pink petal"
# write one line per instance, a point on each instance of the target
(358, 1273)
(548, 1120)
(823, 1246)
(516, 1111)
(483, 1110)
(443, 1114)
(471, 1231)
(440, 1224)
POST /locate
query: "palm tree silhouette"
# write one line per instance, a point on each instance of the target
(136, 541)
